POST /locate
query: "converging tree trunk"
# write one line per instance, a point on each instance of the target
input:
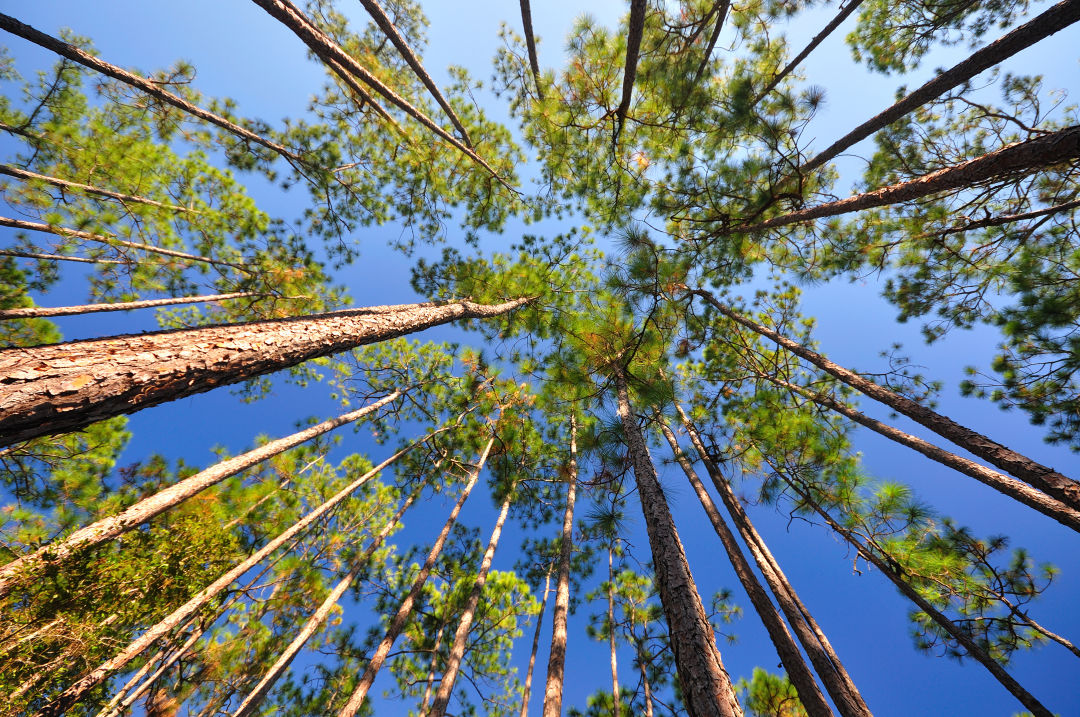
(92, 679)
(797, 670)
(401, 617)
(1021, 157)
(613, 660)
(1056, 18)
(64, 387)
(461, 635)
(39, 312)
(526, 688)
(556, 669)
(530, 44)
(831, 671)
(1035, 474)
(106, 529)
(707, 688)
(259, 692)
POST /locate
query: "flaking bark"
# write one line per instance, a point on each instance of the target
(64, 387)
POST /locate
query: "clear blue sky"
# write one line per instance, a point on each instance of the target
(241, 52)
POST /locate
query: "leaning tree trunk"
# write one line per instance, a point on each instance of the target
(1007, 485)
(556, 669)
(461, 635)
(73, 53)
(526, 689)
(259, 692)
(826, 662)
(973, 649)
(39, 312)
(64, 387)
(635, 28)
(790, 657)
(1033, 473)
(1054, 19)
(1018, 158)
(397, 624)
(388, 29)
(530, 44)
(707, 688)
(96, 676)
(429, 682)
(26, 567)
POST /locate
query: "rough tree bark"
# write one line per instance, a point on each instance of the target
(401, 617)
(87, 682)
(708, 689)
(461, 635)
(1049, 22)
(556, 669)
(1035, 474)
(845, 695)
(797, 670)
(1027, 156)
(22, 569)
(64, 387)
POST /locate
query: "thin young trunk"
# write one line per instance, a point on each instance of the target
(401, 617)
(139, 691)
(1007, 485)
(645, 680)
(113, 241)
(635, 29)
(61, 257)
(259, 692)
(530, 43)
(73, 53)
(852, 6)
(384, 23)
(1051, 21)
(826, 662)
(616, 697)
(972, 648)
(556, 669)
(526, 689)
(708, 689)
(366, 97)
(798, 671)
(93, 678)
(461, 635)
(1053, 636)
(36, 312)
(1035, 474)
(721, 8)
(1017, 158)
(110, 528)
(64, 387)
(429, 684)
(336, 57)
(1004, 219)
(27, 175)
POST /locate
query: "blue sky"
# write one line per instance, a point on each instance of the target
(241, 52)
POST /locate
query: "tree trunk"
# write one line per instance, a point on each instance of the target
(1035, 474)
(126, 702)
(616, 693)
(73, 53)
(526, 689)
(850, 7)
(635, 29)
(1007, 485)
(1054, 19)
(556, 669)
(38, 312)
(721, 8)
(336, 57)
(429, 684)
(110, 528)
(86, 683)
(64, 387)
(645, 680)
(111, 240)
(973, 649)
(29, 176)
(831, 671)
(461, 635)
(530, 43)
(384, 23)
(1017, 158)
(798, 671)
(708, 689)
(259, 692)
(397, 624)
